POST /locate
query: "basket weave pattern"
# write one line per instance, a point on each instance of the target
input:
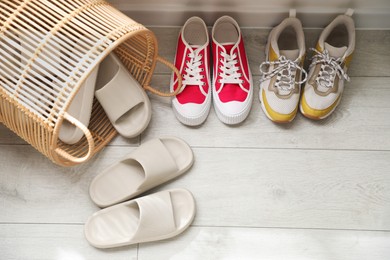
(48, 48)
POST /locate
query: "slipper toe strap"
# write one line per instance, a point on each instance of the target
(156, 217)
(156, 160)
(119, 95)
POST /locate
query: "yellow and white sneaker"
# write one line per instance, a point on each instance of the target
(328, 70)
(280, 85)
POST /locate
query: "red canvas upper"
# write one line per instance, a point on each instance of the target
(192, 93)
(231, 92)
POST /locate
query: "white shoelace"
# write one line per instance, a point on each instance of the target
(285, 70)
(330, 67)
(229, 68)
(192, 71)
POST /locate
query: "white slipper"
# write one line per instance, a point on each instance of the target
(122, 98)
(154, 217)
(153, 163)
(81, 109)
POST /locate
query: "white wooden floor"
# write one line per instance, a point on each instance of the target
(307, 190)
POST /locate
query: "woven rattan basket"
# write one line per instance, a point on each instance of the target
(47, 49)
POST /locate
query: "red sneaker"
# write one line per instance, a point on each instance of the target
(232, 79)
(192, 105)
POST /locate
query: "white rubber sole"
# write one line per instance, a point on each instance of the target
(194, 120)
(236, 118)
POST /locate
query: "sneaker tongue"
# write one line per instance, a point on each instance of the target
(228, 47)
(336, 52)
(290, 54)
(284, 92)
(194, 47)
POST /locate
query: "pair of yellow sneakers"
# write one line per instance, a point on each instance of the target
(283, 72)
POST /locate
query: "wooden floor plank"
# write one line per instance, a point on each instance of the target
(271, 244)
(290, 188)
(9, 137)
(34, 190)
(361, 121)
(50, 241)
(232, 187)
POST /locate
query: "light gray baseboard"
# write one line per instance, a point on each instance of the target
(264, 18)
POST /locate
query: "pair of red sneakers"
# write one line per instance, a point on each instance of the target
(230, 85)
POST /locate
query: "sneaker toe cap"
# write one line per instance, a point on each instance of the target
(233, 108)
(190, 110)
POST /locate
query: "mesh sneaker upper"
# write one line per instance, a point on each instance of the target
(328, 70)
(282, 72)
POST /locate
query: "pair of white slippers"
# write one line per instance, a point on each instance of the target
(121, 96)
(149, 218)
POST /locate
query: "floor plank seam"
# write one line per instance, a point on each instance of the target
(288, 148)
(294, 228)
(39, 223)
(244, 148)
(217, 226)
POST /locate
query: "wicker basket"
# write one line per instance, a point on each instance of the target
(47, 49)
